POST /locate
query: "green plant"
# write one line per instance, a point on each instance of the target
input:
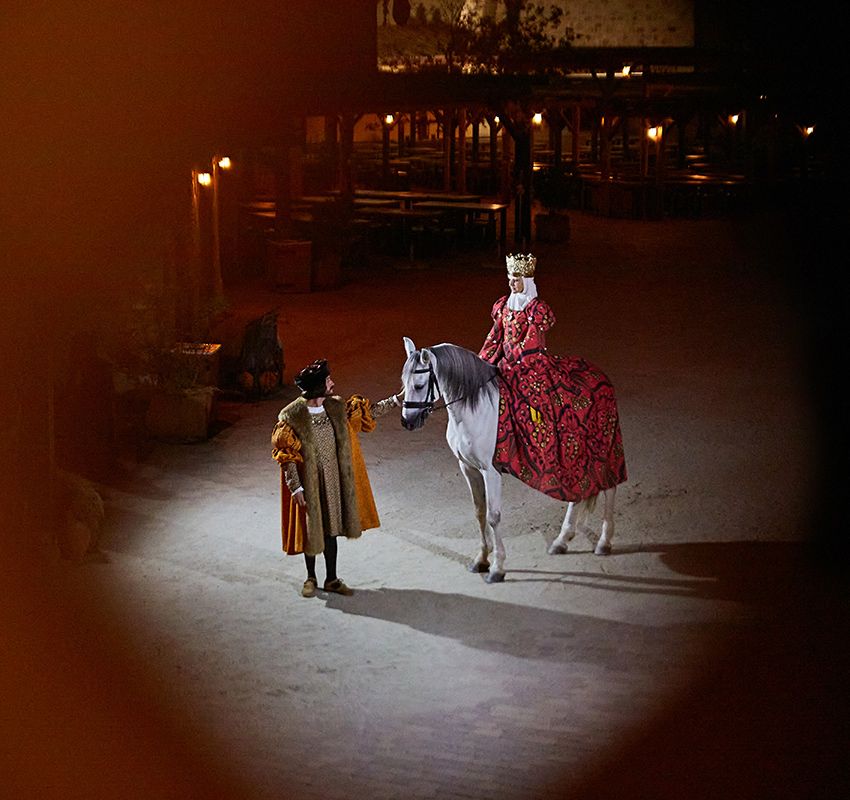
(149, 349)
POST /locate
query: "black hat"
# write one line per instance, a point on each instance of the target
(313, 378)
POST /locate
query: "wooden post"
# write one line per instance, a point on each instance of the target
(576, 135)
(644, 148)
(461, 150)
(506, 190)
(217, 285)
(660, 141)
(494, 148)
(194, 289)
(594, 141)
(605, 145)
(624, 132)
(330, 147)
(448, 134)
(522, 195)
(385, 154)
(346, 148)
(283, 196)
(557, 132)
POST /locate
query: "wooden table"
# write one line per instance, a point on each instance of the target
(384, 201)
(258, 205)
(472, 210)
(677, 194)
(403, 217)
(375, 202)
(409, 198)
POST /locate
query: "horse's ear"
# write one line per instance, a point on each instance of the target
(425, 356)
(409, 347)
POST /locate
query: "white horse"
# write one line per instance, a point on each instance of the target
(467, 386)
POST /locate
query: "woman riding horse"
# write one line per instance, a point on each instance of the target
(558, 430)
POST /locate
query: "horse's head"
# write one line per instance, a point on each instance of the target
(421, 390)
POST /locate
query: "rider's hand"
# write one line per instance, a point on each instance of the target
(299, 498)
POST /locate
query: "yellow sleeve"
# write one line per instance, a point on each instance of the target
(286, 446)
(359, 411)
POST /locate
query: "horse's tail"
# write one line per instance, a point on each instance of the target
(590, 503)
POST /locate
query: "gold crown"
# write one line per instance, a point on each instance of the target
(521, 265)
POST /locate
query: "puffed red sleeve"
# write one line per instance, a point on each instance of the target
(543, 316)
(491, 350)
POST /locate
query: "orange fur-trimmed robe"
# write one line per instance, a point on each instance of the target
(292, 443)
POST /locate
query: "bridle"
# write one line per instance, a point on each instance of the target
(427, 405)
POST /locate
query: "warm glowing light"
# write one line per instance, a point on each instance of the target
(204, 178)
(225, 163)
(537, 119)
(654, 133)
(733, 118)
(389, 119)
(496, 120)
(626, 70)
(808, 130)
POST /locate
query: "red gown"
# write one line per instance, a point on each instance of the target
(559, 431)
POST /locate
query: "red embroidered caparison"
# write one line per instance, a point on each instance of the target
(559, 431)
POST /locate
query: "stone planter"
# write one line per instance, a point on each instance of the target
(552, 227)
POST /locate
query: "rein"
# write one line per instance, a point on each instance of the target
(433, 389)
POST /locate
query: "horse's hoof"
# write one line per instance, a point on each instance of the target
(602, 550)
(494, 577)
(556, 549)
(478, 566)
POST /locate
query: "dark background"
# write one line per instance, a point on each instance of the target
(103, 107)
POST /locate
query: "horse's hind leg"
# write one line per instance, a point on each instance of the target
(603, 546)
(568, 530)
(481, 562)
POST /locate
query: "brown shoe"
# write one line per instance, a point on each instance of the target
(309, 588)
(338, 587)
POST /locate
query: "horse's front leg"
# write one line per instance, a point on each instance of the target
(475, 481)
(493, 486)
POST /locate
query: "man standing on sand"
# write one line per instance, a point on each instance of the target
(325, 490)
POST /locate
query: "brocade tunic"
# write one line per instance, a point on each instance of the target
(330, 500)
(325, 440)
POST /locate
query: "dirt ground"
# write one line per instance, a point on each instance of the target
(703, 658)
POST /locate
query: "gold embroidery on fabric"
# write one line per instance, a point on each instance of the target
(328, 473)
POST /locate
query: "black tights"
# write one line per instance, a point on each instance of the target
(330, 561)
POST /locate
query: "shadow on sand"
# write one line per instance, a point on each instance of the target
(512, 629)
(754, 573)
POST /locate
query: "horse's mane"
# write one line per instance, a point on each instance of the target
(465, 378)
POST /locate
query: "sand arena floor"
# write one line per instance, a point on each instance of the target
(699, 660)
